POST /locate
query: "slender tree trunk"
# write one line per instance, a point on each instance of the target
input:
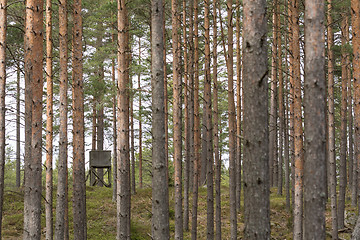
(298, 129)
(208, 124)
(351, 146)
(355, 17)
(160, 195)
(343, 126)
(331, 123)
(315, 124)
(232, 126)
(18, 159)
(186, 122)
(123, 200)
(291, 99)
(256, 131)
(132, 141)
(166, 102)
(3, 28)
(114, 129)
(140, 129)
(79, 193)
(216, 130)
(177, 121)
(196, 124)
(238, 107)
(273, 100)
(34, 72)
(281, 103)
(62, 201)
(93, 137)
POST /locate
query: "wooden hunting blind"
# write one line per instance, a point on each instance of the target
(100, 159)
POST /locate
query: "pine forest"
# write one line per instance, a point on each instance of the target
(179, 119)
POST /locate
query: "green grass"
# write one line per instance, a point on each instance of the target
(101, 215)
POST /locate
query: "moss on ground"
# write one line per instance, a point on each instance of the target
(101, 215)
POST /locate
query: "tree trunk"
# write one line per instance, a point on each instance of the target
(232, 126)
(132, 141)
(315, 124)
(160, 195)
(298, 129)
(186, 122)
(123, 183)
(281, 104)
(256, 131)
(177, 121)
(273, 100)
(62, 201)
(238, 107)
(216, 130)
(343, 126)
(196, 124)
(331, 124)
(166, 102)
(208, 125)
(355, 16)
(34, 75)
(79, 193)
(18, 159)
(3, 28)
(114, 127)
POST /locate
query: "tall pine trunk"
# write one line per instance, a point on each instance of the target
(315, 124)
(34, 75)
(177, 121)
(355, 17)
(123, 181)
(232, 125)
(343, 125)
(3, 28)
(298, 129)
(216, 130)
(331, 123)
(49, 125)
(256, 131)
(62, 201)
(238, 107)
(196, 125)
(79, 193)
(160, 195)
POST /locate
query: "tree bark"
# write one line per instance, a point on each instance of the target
(34, 75)
(281, 104)
(343, 125)
(160, 195)
(298, 129)
(123, 183)
(273, 100)
(331, 123)
(196, 124)
(232, 126)
(216, 130)
(355, 16)
(315, 124)
(177, 121)
(79, 191)
(186, 121)
(208, 125)
(3, 28)
(238, 107)
(256, 131)
(62, 201)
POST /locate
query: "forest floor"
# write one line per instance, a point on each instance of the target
(101, 215)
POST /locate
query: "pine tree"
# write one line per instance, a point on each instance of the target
(314, 101)
(256, 131)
